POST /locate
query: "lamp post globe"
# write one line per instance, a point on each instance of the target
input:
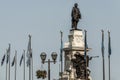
(43, 57)
(54, 56)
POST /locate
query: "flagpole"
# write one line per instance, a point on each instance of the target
(86, 53)
(9, 63)
(103, 55)
(30, 70)
(31, 64)
(6, 71)
(109, 65)
(30, 57)
(59, 71)
(6, 64)
(32, 67)
(15, 63)
(24, 64)
(61, 54)
(86, 56)
(109, 52)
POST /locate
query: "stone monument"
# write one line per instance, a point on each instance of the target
(75, 66)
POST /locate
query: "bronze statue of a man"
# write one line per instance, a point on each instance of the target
(76, 15)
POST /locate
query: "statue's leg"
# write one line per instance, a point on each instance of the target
(75, 25)
(72, 24)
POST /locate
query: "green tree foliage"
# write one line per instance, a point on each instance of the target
(41, 74)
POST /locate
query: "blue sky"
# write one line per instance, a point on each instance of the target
(44, 19)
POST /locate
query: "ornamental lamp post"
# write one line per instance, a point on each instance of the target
(43, 57)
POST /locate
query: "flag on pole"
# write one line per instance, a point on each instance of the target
(29, 52)
(29, 59)
(21, 59)
(29, 47)
(3, 59)
(13, 62)
(61, 48)
(85, 45)
(8, 53)
(14, 59)
(102, 47)
(102, 50)
(109, 44)
(28, 62)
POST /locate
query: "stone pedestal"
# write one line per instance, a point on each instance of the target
(73, 49)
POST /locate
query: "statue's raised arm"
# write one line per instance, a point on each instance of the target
(76, 15)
